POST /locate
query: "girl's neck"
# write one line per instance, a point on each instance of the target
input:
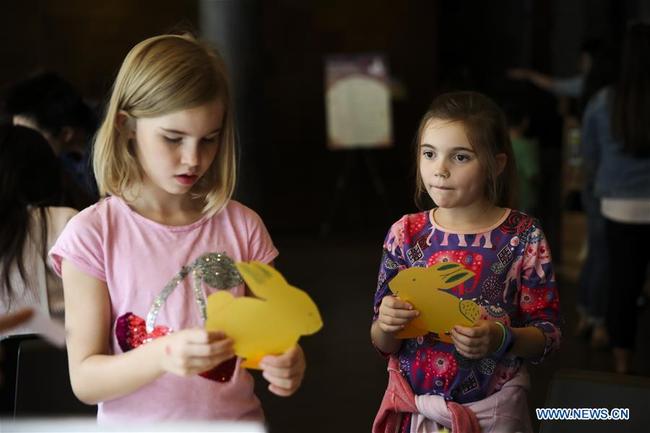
(170, 212)
(470, 218)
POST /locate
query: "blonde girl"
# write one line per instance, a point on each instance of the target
(138, 265)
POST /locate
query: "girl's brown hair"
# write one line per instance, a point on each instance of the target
(161, 75)
(487, 132)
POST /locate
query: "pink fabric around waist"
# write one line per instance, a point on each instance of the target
(505, 411)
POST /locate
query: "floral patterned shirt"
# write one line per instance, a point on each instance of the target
(514, 283)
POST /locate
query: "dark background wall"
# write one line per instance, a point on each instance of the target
(300, 167)
(277, 51)
(84, 41)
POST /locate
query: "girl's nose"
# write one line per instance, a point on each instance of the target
(442, 173)
(440, 170)
(190, 156)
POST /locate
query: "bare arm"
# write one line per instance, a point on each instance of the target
(384, 341)
(394, 315)
(540, 80)
(97, 376)
(529, 342)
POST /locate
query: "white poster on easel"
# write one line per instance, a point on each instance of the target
(357, 102)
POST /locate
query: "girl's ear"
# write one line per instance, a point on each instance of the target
(502, 160)
(125, 123)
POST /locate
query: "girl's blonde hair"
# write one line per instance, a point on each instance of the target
(487, 132)
(161, 75)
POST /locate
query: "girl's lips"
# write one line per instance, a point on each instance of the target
(186, 179)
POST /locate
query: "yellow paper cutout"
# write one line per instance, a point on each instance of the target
(439, 311)
(268, 324)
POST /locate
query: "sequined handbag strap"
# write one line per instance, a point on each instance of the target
(216, 270)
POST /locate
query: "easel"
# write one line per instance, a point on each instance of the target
(354, 157)
(358, 118)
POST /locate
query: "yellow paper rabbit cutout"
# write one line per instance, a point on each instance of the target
(268, 324)
(439, 311)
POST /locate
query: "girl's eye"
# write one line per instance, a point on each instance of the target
(462, 157)
(210, 140)
(173, 140)
(428, 154)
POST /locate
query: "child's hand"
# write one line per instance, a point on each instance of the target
(395, 314)
(193, 351)
(284, 372)
(477, 341)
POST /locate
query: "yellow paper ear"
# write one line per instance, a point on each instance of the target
(451, 274)
(259, 277)
(246, 271)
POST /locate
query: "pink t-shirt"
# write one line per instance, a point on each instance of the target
(137, 257)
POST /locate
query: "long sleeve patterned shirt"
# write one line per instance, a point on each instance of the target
(514, 283)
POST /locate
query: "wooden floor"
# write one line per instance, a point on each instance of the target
(346, 378)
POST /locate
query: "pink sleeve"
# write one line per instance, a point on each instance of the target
(81, 243)
(260, 244)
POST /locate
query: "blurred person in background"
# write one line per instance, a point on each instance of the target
(616, 151)
(570, 86)
(526, 152)
(51, 105)
(29, 223)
